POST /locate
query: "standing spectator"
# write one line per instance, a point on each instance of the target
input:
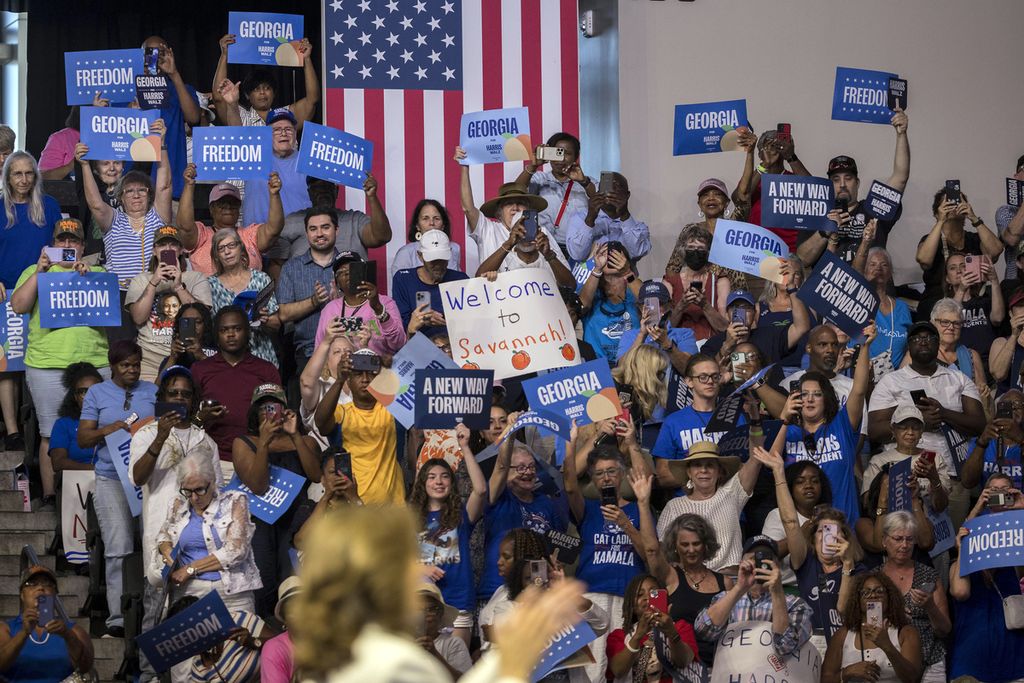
(7, 140)
(998, 449)
(775, 309)
(677, 343)
(773, 342)
(1011, 285)
(773, 154)
(565, 188)
(434, 252)
(65, 454)
(57, 160)
(893, 318)
(256, 202)
(319, 374)
(428, 215)
(699, 288)
(276, 662)
(823, 355)
(1006, 357)
(187, 350)
(610, 300)
(955, 351)
(339, 491)
(517, 252)
(808, 488)
(1010, 226)
(712, 203)
(607, 219)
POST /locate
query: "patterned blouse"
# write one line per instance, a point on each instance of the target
(260, 344)
(932, 648)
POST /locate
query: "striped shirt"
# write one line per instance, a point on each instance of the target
(236, 663)
(128, 252)
(748, 608)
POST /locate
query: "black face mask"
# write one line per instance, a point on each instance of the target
(695, 259)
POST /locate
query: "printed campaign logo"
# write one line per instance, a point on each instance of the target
(119, 447)
(109, 72)
(496, 135)
(748, 248)
(334, 155)
(1014, 192)
(801, 202)
(13, 338)
(265, 38)
(837, 292)
(708, 127)
(995, 540)
(861, 95)
(232, 152)
(195, 629)
(120, 134)
(553, 423)
(581, 272)
(395, 387)
(585, 393)
(899, 491)
(73, 300)
(446, 398)
(882, 201)
(284, 488)
(566, 642)
(151, 92)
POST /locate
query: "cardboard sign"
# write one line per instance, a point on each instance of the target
(708, 127)
(897, 94)
(1014, 192)
(72, 300)
(899, 491)
(861, 95)
(75, 489)
(554, 424)
(728, 411)
(334, 155)
(13, 338)
(514, 325)
(746, 652)
(679, 393)
(119, 445)
(585, 393)
(448, 397)
(801, 202)
(111, 73)
(395, 387)
(748, 248)
(837, 292)
(188, 633)
(497, 135)
(882, 202)
(285, 486)
(265, 38)
(942, 531)
(115, 134)
(232, 152)
(996, 540)
(737, 441)
(152, 92)
(567, 642)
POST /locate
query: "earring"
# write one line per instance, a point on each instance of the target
(689, 484)
(700, 214)
(418, 235)
(727, 213)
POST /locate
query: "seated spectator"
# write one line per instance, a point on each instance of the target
(677, 342)
(256, 199)
(235, 658)
(893, 317)
(808, 489)
(277, 664)
(156, 329)
(610, 300)
(436, 637)
(773, 342)
(319, 374)
(233, 277)
(434, 252)
(225, 204)
(633, 650)
(187, 350)
(565, 188)
(57, 160)
(339, 490)
(712, 204)
(607, 219)
(775, 309)
(26, 650)
(362, 306)
(773, 154)
(519, 545)
(65, 454)
(699, 288)
(998, 449)
(428, 215)
(213, 553)
(889, 652)
(1006, 356)
(366, 429)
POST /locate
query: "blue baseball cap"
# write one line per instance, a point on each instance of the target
(738, 295)
(655, 288)
(281, 114)
(175, 370)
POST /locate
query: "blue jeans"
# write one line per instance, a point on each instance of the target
(117, 528)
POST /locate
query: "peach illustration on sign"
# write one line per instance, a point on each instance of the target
(770, 265)
(287, 53)
(145, 148)
(731, 139)
(520, 360)
(385, 386)
(470, 366)
(517, 147)
(603, 405)
(3, 359)
(568, 352)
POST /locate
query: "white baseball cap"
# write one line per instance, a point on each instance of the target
(906, 411)
(435, 245)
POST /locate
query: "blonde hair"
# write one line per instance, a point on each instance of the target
(639, 368)
(356, 571)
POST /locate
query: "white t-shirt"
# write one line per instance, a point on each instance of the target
(890, 456)
(774, 530)
(454, 651)
(722, 511)
(491, 235)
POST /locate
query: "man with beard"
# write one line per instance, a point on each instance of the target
(948, 401)
(434, 251)
(608, 219)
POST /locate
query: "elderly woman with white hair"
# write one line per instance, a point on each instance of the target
(948, 317)
(893, 318)
(924, 596)
(206, 541)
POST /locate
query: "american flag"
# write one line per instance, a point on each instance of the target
(402, 72)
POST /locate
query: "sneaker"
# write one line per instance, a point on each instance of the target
(47, 503)
(114, 632)
(14, 442)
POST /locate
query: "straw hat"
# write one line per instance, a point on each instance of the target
(703, 450)
(512, 191)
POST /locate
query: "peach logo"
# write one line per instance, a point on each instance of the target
(145, 148)
(731, 138)
(517, 147)
(770, 265)
(602, 405)
(287, 53)
(385, 386)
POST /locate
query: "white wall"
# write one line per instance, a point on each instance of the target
(961, 59)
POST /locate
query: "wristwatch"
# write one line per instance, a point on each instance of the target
(977, 222)
(190, 570)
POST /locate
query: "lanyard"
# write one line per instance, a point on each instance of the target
(565, 201)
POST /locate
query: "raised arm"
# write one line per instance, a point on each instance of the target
(861, 378)
(186, 218)
(752, 467)
(901, 158)
(477, 500)
(469, 207)
(801, 321)
(189, 107)
(795, 541)
(377, 232)
(306, 107)
(929, 246)
(589, 289)
(503, 461)
(324, 415)
(570, 478)
(268, 232)
(101, 211)
(163, 187)
(860, 258)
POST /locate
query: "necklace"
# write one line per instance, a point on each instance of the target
(695, 584)
(137, 224)
(39, 642)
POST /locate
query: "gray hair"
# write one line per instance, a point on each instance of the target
(695, 524)
(36, 214)
(200, 466)
(771, 289)
(898, 521)
(218, 237)
(880, 251)
(7, 138)
(947, 305)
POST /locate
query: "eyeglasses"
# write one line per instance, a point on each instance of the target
(606, 473)
(523, 469)
(134, 191)
(922, 338)
(188, 493)
(900, 540)
(228, 246)
(705, 378)
(284, 131)
(178, 393)
(128, 396)
(948, 324)
(877, 591)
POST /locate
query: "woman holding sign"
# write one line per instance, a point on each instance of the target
(893, 318)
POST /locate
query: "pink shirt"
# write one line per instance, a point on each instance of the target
(200, 256)
(276, 660)
(59, 150)
(387, 338)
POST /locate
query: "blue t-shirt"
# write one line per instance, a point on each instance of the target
(606, 322)
(608, 560)
(682, 429)
(174, 120)
(403, 290)
(835, 454)
(65, 435)
(681, 336)
(508, 513)
(192, 546)
(104, 403)
(892, 329)
(1010, 464)
(21, 243)
(39, 662)
(984, 648)
(294, 197)
(448, 549)
(821, 592)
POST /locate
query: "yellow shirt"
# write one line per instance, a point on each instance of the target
(369, 436)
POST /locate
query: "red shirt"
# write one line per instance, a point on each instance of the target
(232, 385)
(787, 235)
(617, 643)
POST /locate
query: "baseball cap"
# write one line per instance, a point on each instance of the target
(345, 257)
(906, 411)
(73, 227)
(655, 288)
(762, 541)
(712, 183)
(175, 370)
(36, 570)
(281, 114)
(166, 232)
(738, 295)
(222, 190)
(922, 325)
(269, 390)
(842, 164)
(435, 246)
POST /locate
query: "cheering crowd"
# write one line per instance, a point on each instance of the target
(249, 347)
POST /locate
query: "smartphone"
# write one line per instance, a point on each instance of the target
(545, 153)
(161, 408)
(530, 224)
(972, 264)
(784, 132)
(151, 60)
(131, 419)
(362, 362)
(45, 605)
(609, 496)
(698, 285)
(208, 403)
(810, 444)
(1004, 411)
(842, 204)
(737, 358)
(186, 328)
(357, 274)
(658, 599)
(928, 587)
(343, 463)
(653, 307)
(998, 500)
(739, 316)
(794, 386)
(873, 613)
(829, 535)
(929, 456)
(539, 573)
(917, 395)
(760, 562)
(423, 299)
(953, 191)
(168, 258)
(273, 410)
(607, 180)
(60, 254)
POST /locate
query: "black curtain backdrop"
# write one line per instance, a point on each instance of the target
(190, 27)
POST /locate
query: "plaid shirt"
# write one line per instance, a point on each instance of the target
(748, 608)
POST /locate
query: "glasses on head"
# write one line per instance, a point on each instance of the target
(523, 469)
(949, 324)
(128, 396)
(188, 493)
(228, 246)
(705, 378)
(876, 592)
(610, 472)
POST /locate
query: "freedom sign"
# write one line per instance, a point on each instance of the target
(838, 292)
(232, 152)
(13, 338)
(446, 398)
(861, 95)
(395, 387)
(899, 486)
(69, 299)
(746, 652)
(792, 201)
(194, 630)
(882, 201)
(265, 38)
(119, 445)
(566, 643)
(995, 540)
(120, 134)
(585, 393)
(334, 155)
(285, 486)
(748, 248)
(496, 135)
(708, 127)
(514, 325)
(109, 72)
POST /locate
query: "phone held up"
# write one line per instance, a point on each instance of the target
(829, 536)
(546, 153)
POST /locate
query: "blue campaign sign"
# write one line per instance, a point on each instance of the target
(679, 393)
(334, 155)
(837, 292)
(195, 629)
(496, 135)
(72, 300)
(793, 201)
(736, 442)
(152, 92)
(265, 38)
(13, 338)
(111, 73)
(748, 248)
(550, 422)
(445, 398)
(120, 134)
(882, 201)
(566, 643)
(395, 387)
(899, 489)
(585, 393)
(119, 446)
(708, 127)
(232, 152)
(284, 488)
(995, 540)
(861, 95)
(581, 272)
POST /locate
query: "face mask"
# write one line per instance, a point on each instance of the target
(695, 259)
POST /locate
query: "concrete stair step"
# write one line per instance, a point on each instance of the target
(11, 604)
(11, 501)
(11, 459)
(7, 480)
(10, 563)
(106, 669)
(11, 542)
(108, 648)
(29, 521)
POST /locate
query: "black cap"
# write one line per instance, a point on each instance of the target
(761, 540)
(842, 164)
(922, 325)
(345, 257)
